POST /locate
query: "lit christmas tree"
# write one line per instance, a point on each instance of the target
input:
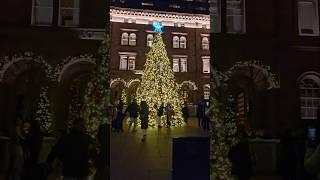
(43, 113)
(97, 97)
(157, 82)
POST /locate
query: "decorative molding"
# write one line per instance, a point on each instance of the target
(129, 30)
(121, 15)
(89, 34)
(180, 33)
(193, 84)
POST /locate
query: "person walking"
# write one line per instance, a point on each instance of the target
(169, 113)
(159, 115)
(144, 116)
(76, 152)
(133, 114)
(119, 117)
(185, 113)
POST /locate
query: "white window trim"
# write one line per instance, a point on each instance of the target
(33, 15)
(183, 44)
(149, 40)
(175, 42)
(207, 47)
(132, 41)
(128, 56)
(122, 39)
(315, 21)
(206, 59)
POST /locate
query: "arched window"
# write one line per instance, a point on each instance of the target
(175, 42)
(132, 39)
(206, 91)
(309, 96)
(124, 39)
(183, 42)
(205, 43)
(149, 40)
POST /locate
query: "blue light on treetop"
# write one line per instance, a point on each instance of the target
(157, 27)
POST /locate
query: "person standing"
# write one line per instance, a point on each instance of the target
(133, 114)
(144, 116)
(169, 115)
(76, 151)
(185, 113)
(200, 114)
(159, 115)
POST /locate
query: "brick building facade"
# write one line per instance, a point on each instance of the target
(185, 34)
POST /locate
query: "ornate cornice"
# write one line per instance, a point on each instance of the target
(138, 16)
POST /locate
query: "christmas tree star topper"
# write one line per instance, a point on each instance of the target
(157, 27)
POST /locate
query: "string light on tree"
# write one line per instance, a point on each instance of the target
(158, 83)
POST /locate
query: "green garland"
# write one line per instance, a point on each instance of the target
(43, 113)
(97, 96)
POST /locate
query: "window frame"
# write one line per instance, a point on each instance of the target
(243, 17)
(206, 91)
(315, 17)
(175, 42)
(123, 40)
(206, 60)
(132, 39)
(203, 45)
(33, 16)
(183, 42)
(73, 10)
(128, 59)
(150, 40)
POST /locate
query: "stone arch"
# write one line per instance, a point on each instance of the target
(310, 75)
(132, 86)
(11, 69)
(261, 75)
(190, 84)
(117, 86)
(74, 65)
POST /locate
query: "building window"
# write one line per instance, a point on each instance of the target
(149, 40)
(132, 39)
(124, 39)
(310, 96)
(206, 92)
(180, 64)
(183, 42)
(175, 42)
(206, 64)
(183, 64)
(308, 17)
(127, 62)
(205, 43)
(42, 12)
(215, 16)
(235, 16)
(69, 12)
(176, 65)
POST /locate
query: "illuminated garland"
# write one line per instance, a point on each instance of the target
(69, 61)
(75, 105)
(97, 96)
(158, 83)
(6, 63)
(43, 113)
(124, 96)
(223, 126)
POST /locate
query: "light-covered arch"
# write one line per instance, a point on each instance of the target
(113, 81)
(131, 82)
(258, 66)
(190, 83)
(19, 63)
(72, 62)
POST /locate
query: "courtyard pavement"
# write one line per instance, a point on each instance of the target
(133, 160)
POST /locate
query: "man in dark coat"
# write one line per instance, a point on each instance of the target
(76, 152)
(133, 114)
(200, 113)
(185, 113)
(144, 116)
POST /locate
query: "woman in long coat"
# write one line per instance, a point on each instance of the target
(144, 114)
